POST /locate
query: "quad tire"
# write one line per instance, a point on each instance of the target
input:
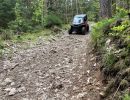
(83, 30)
(70, 31)
(87, 28)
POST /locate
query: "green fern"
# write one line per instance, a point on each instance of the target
(126, 97)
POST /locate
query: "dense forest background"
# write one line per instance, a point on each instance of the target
(24, 15)
(111, 39)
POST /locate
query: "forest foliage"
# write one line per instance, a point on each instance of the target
(28, 15)
(111, 40)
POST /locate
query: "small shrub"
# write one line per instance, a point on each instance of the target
(127, 61)
(124, 84)
(104, 26)
(119, 28)
(52, 20)
(1, 45)
(21, 25)
(100, 28)
(1, 48)
(126, 97)
(7, 34)
(109, 60)
(123, 54)
(1, 53)
(121, 12)
(125, 22)
(120, 65)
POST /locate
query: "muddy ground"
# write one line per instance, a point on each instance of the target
(62, 69)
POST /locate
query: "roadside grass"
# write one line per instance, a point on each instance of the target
(32, 37)
(66, 26)
(110, 38)
(126, 97)
(1, 47)
(24, 39)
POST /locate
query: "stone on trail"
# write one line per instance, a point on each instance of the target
(21, 89)
(95, 65)
(92, 59)
(88, 80)
(108, 42)
(70, 61)
(7, 89)
(7, 81)
(53, 51)
(9, 65)
(88, 71)
(81, 95)
(25, 99)
(12, 83)
(102, 95)
(12, 91)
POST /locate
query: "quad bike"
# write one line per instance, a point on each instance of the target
(79, 25)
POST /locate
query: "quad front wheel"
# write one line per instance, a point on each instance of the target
(83, 30)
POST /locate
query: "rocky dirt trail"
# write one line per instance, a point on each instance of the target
(63, 69)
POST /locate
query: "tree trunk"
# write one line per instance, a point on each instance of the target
(42, 15)
(113, 7)
(106, 8)
(45, 7)
(77, 10)
(66, 4)
(128, 7)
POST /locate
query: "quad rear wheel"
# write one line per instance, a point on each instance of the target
(83, 30)
(70, 31)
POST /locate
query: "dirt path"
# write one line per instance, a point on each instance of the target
(60, 70)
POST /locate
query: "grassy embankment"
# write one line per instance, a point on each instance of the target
(111, 39)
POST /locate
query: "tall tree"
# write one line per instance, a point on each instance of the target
(7, 13)
(128, 4)
(106, 8)
(113, 7)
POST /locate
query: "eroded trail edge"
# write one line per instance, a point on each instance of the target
(61, 70)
